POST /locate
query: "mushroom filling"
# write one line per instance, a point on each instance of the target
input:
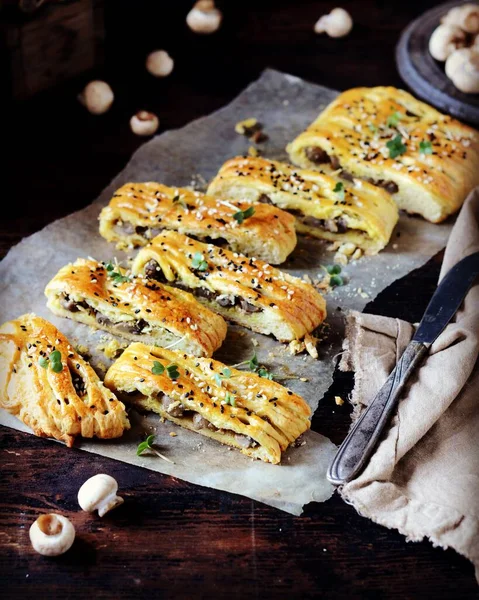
(177, 410)
(127, 228)
(78, 384)
(318, 156)
(153, 271)
(135, 327)
(336, 225)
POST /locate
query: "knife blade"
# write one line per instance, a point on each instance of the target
(356, 449)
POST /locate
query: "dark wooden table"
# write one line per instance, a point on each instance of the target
(172, 539)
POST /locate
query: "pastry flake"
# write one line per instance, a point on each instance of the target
(104, 297)
(427, 161)
(325, 206)
(139, 211)
(258, 416)
(245, 290)
(46, 384)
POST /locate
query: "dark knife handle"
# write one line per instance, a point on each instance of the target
(356, 449)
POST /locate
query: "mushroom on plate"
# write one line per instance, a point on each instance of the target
(444, 40)
(462, 68)
(466, 17)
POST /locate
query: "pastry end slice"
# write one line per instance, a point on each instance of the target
(259, 417)
(104, 297)
(245, 290)
(46, 384)
(428, 161)
(140, 211)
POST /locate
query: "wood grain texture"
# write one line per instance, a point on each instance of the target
(171, 539)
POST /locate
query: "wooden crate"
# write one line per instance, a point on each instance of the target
(50, 44)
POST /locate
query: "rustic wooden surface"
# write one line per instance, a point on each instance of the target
(171, 539)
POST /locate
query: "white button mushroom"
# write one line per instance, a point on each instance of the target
(159, 63)
(444, 40)
(99, 493)
(204, 17)
(462, 68)
(466, 17)
(97, 97)
(337, 24)
(144, 123)
(52, 535)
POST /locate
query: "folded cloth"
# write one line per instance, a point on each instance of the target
(423, 478)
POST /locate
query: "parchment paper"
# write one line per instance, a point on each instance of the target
(284, 105)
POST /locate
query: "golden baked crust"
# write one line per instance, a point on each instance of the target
(245, 290)
(139, 211)
(258, 416)
(62, 405)
(354, 129)
(104, 297)
(357, 212)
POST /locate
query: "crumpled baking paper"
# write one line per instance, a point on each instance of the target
(284, 105)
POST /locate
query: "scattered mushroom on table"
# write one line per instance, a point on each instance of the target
(99, 493)
(52, 535)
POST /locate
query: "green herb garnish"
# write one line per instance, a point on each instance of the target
(230, 399)
(172, 371)
(158, 368)
(148, 445)
(225, 374)
(241, 215)
(263, 372)
(199, 262)
(115, 275)
(43, 362)
(336, 280)
(393, 119)
(178, 200)
(372, 128)
(425, 148)
(339, 190)
(55, 359)
(396, 147)
(333, 269)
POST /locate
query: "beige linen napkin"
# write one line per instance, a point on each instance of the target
(423, 479)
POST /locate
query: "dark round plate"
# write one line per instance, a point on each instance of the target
(425, 76)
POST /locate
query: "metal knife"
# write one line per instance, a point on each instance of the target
(355, 451)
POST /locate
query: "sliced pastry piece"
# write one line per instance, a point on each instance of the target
(258, 416)
(428, 161)
(325, 206)
(104, 297)
(139, 211)
(245, 290)
(46, 384)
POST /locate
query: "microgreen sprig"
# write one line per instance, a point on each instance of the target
(225, 374)
(115, 275)
(334, 271)
(255, 367)
(54, 360)
(199, 262)
(396, 147)
(339, 190)
(425, 147)
(394, 118)
(171, 369)
(241, 215)
(177, 199)
(148, 445)
(230, 399)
